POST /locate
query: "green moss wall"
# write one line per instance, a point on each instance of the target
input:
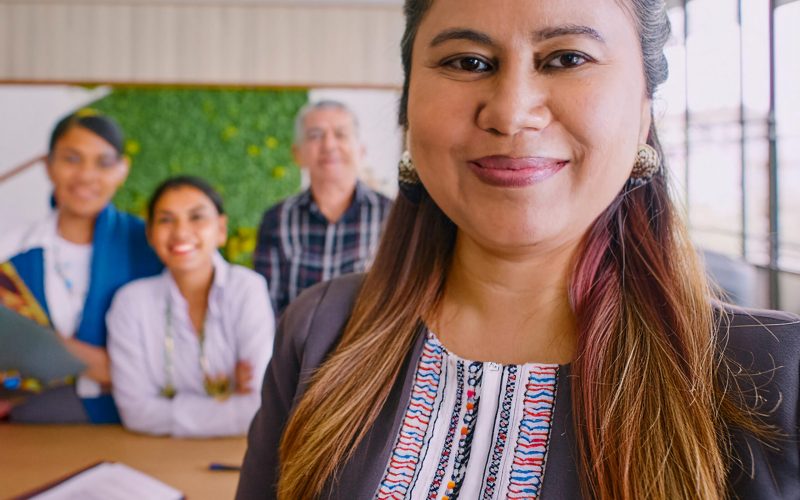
(239, 140)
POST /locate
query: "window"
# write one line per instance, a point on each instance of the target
(729, 118)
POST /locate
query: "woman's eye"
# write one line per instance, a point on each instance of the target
(108, 161)
(470, 64)
(567, 60)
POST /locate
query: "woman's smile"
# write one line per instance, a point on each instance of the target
(505, 171)
(180, 249)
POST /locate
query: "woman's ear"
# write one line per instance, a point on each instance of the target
(125, 169)
(646, 121)
(148, 229)
(48, 165)
(223, 230)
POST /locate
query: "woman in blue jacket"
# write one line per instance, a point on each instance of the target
(76, 258)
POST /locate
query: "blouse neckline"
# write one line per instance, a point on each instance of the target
(438, 343)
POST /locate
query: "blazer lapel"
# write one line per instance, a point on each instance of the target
(561, 480)
(362, 474)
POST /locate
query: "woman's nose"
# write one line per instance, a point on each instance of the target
(517, 102)
(181, 228)
(86, 170)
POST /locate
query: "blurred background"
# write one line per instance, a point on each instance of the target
(210, 87)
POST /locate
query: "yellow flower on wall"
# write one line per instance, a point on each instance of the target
(253, 150)
(84, 112)
(132, 147)
(271, 142)
(229, 132)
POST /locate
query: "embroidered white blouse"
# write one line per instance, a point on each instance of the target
(239, 326)
(472, 430)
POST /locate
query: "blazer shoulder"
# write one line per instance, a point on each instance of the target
(315, 320)
(758, 338)
(753, 326)
(765, 349)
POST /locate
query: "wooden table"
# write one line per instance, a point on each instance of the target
(33, 455)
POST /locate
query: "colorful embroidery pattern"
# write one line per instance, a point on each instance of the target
(527, 468)
(406, 454)
(444, 459)
(467, 430)
(502, 433)
(447, 449)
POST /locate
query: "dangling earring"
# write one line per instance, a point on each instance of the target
(407, 178)
(646, 165)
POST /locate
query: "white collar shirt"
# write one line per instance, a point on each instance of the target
(239, 326)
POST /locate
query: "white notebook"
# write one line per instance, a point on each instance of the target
(110, 481)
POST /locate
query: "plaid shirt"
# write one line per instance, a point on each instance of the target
(298, 247)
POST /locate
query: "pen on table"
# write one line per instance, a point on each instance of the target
(218, 466)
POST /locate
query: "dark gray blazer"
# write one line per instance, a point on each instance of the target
(311, 326)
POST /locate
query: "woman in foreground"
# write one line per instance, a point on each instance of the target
(189, 347)
(536, 323)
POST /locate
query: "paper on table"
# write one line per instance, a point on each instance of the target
(34, 350)
(110, 481)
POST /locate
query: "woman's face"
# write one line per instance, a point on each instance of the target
(525, 115)
(185, 229)
(85, 171)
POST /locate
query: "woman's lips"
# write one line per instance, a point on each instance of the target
(503, 171)
(181, 249)
(83, 193)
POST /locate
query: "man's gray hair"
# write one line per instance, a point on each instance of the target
(299, 119)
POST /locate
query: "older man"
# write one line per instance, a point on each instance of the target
(333, 227)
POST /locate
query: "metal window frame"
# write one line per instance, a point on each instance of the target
(772, 268)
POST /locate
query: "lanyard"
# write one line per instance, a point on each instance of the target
(216, 387)
(76, 300)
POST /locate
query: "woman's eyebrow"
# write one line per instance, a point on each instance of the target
(539, 35)
(462, 34)
(200, 207)
(66, 149)
(567, 30)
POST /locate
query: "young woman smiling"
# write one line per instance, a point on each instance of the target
(75, 259)
(536, 323)
(189, 347)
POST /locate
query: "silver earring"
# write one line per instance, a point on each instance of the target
(646, 165)
(406, 172)
(407, 178)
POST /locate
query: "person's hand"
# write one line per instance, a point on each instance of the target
(218, 387)
(5, 407)
(244, 377)
(95, 358)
